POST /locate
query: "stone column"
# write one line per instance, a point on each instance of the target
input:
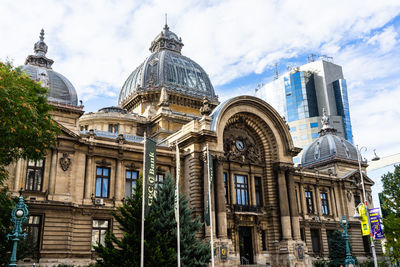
(294, 212)
(119, 193)
(88, 175)
(17, 175)
(53, 171)
(284, 206)
(318, 208)
(332, 202)
(220, 204)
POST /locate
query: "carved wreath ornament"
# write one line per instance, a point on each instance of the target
(65, 162)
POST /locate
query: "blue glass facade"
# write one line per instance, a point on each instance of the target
(301, 100)
(342, 105)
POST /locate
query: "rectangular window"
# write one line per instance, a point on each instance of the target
(304, 137)
(258, 189)
(113, 128)
(315, 135)
(263, 240)
(226, 187)
(309, 202)
(99, 230)
(242, 190)
(324, 203)
(34, 175)
(130, 182)
(314, 124)
(303, 234)
(303, 126)
(357, 200)
(315, 241)
(292, 129)
(102, 181)
(33, 231)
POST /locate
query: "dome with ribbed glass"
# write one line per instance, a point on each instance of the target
(38, 67)
(328, 146)
(167, 67)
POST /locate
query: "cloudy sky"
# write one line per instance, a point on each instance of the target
(97, 44)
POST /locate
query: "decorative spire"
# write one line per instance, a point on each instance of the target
(166, 23)
(166, 40)
(39, 58)
(326, 126)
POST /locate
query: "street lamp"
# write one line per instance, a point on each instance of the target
(19, 214)
(365, 201)
(349, 261)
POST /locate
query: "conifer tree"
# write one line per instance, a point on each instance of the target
(126, 252)
(194, 252)
(337, 249)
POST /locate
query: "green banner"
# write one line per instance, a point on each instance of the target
(210, 181)
(150, 173)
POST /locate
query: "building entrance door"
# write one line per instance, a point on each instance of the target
(246, 245)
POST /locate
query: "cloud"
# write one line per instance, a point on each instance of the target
(97, 44)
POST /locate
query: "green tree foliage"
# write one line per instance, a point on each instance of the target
(391, 204)
(126, 252)
(194, 252)
(6, 205)
(337, 249)
(160, 233)
(26, 129)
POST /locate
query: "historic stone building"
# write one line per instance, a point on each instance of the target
(265, 210)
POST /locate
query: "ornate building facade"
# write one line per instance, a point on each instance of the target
(265, 210)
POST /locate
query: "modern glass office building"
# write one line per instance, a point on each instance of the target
(300, 95)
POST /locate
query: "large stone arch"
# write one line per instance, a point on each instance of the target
(260, 116)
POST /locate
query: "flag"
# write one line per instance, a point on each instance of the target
(178, 173)
(149, 173)
(376, 224)
(364, 219)
(210, 181)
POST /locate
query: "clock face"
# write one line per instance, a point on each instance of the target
(239, 145)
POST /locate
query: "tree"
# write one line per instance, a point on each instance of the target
(160, 233)
(337, 249)
(126, 252)
(391, 204)
(26, 131)
(194, 252)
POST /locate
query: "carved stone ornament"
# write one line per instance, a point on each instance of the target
(205, 109)
(65, 162)
(349, 194)
(240, 146)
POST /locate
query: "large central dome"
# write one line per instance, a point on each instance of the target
(167, 68)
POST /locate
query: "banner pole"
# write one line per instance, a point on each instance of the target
(143, 200)
(209, 201)
(178, 170)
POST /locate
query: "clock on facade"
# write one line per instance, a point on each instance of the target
(239, 145)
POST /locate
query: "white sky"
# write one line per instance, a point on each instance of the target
(97, 44)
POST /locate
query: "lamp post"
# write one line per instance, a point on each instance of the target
(349, 261)
(19, 214)
(365, 201)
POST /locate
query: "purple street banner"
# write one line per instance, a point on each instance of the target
(376, 224)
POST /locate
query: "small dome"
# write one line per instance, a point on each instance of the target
(328, 146)
(38, 66)
(166, 67)
(113, 110)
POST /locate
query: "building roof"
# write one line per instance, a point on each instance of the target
(328, 146)
(38, 66)
(167, 67)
